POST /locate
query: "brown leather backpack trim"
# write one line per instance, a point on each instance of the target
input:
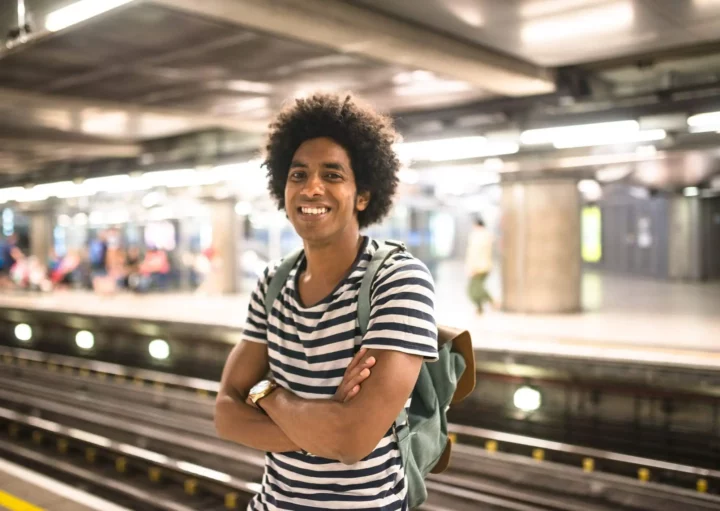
(444, 461)
(461, 343)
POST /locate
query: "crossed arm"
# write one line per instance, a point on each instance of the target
(345, 429)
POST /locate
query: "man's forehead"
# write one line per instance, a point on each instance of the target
(321, 148)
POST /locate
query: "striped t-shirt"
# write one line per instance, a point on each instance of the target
(309, 349)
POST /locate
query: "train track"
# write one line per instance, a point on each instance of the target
(171, 416)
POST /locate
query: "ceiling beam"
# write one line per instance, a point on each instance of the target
(130, 122)
(351, 29)
(77, 148)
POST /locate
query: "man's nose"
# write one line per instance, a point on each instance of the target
(314, 186)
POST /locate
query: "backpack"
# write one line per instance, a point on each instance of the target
(424, 444)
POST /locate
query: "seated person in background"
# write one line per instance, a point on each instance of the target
(131, 265)
(153, 270)
(330, 443)
(64, 272)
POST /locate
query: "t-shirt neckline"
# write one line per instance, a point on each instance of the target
(302, 262)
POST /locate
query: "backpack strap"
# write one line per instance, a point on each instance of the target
(385, 250)
(277, 280)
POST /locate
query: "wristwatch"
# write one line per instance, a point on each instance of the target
(260, 390)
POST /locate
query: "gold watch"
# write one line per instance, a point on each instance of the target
(260, 390)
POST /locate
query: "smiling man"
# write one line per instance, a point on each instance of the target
(305, 385)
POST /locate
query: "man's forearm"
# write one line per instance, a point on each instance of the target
(240, 423)
(314, 425)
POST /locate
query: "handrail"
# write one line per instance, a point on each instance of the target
(589, 452)
(144, 455)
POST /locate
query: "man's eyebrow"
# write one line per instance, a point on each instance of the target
(334, 165)
(298, 163)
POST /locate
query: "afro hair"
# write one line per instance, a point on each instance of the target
(367, 136)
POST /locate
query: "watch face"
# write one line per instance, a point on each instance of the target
(260, 387)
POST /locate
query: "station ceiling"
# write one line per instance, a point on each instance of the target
(118, 86)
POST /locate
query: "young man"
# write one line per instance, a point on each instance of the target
(323, 416)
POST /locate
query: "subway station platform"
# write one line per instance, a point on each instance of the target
(625, 319)
(25, 490)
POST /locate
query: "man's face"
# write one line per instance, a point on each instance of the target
(321, 197)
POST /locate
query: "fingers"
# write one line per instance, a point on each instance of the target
(358, 378)
(356, 360)
(358, 375)
(357, 372)
(353, 392)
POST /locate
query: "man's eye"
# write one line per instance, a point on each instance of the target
(334, 175)
(296, 175)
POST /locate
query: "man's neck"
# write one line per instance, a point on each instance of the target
(329, 263)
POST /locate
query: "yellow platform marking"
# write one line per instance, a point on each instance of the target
(15, 504)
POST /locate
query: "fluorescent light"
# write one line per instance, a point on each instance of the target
(454, 149)
(581, 140)
(550, 135)
(709, 121)
(527, 399)
(85, 339)
(539, 8)
(159, 349)
(493, 165)
(613, 173)
(429, 88)
(691, 191)
(23, 332)
(243, 208)
(12, 193)
(646, 150)
(249, 173)
(116, 183)
(170, 178)
(96, 218)
(80, 219)
(79, 11)
(590, 189)
(581, 23)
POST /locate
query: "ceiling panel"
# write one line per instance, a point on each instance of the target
(561, 32)
(686, 13)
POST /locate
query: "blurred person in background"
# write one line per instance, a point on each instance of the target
(133, 258)
(9, 255)
(97, 252)
(154, 271)
(478, 263)
(63, 271)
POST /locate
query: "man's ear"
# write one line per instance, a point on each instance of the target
(362, 200)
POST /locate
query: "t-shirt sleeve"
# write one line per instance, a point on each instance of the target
(255, 328)
(402, 309)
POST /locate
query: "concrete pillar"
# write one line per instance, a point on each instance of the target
(41, 234)
(685, 258)
(225, 240)
(541, 256)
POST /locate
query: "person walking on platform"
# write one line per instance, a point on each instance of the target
(326, 415)
(478, 263)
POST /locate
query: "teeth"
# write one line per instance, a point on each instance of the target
(313, 211)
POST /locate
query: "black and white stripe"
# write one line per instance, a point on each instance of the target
(309, 349)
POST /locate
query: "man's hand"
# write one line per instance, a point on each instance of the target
(357, 372)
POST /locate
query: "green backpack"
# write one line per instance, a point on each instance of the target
(424, 445)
